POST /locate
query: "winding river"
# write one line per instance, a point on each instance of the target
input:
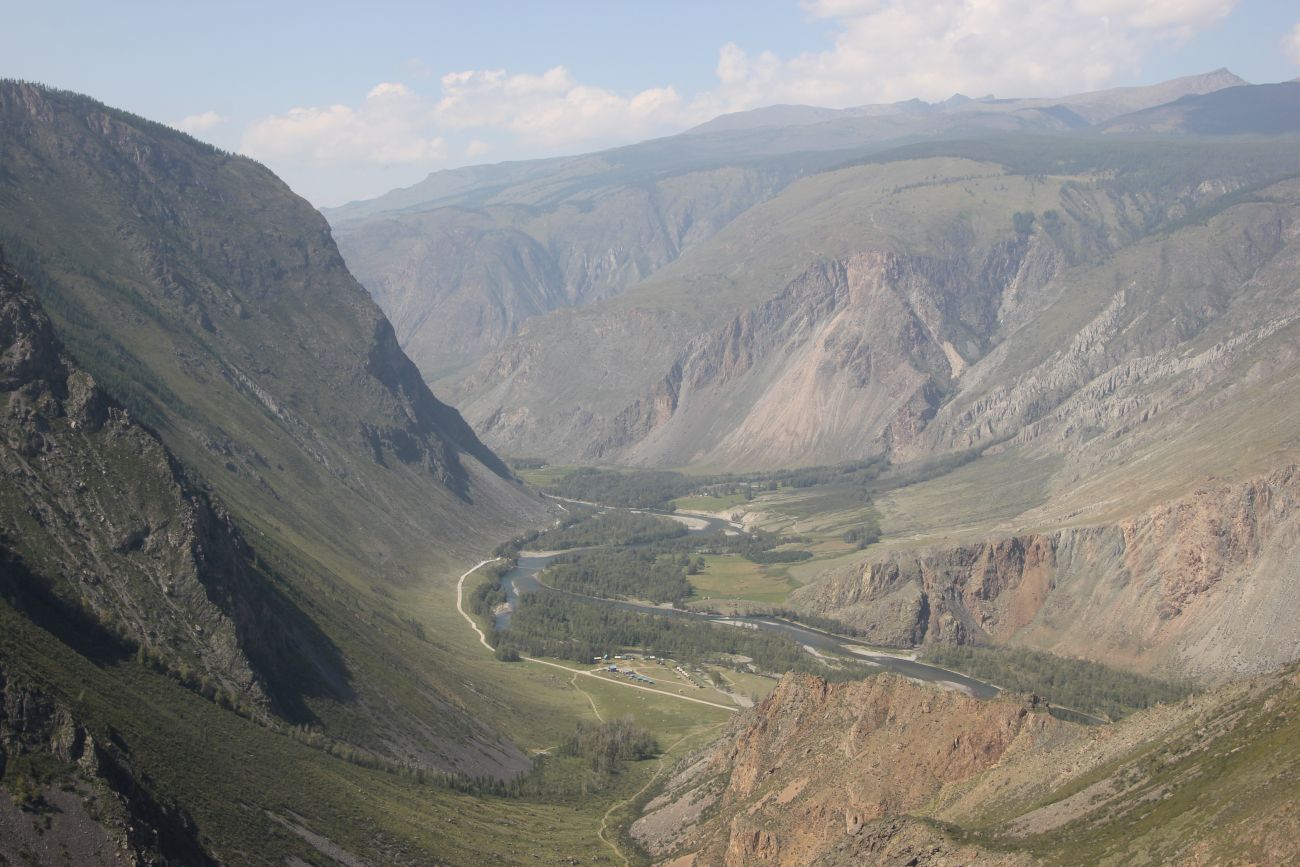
(523, 579)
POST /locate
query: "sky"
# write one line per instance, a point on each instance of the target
(346, 101)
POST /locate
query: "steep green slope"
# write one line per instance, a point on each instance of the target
(110, 763)
(100, 529)
(211, 301)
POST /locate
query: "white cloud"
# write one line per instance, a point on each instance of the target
(1180, 18)
(196, 123)
(553, 109)
(389, 127)
(879, 51)
(1292, 44)
(887, 50)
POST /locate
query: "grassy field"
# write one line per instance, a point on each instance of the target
(708, 503)
(543, 476)
(730, 576)
(746, 684)
(666, 718)
(536, 705)
(698, 683)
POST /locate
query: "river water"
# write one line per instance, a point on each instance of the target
(523, 579)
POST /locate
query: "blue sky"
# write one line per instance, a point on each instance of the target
(348, 100)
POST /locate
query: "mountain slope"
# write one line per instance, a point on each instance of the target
(211, 302)
(98, 525)
(462, 259)
(885, 772)
(1203, 586)
(1264, 109)
(457, 281)
(836, 320)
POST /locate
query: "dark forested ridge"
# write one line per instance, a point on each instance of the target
(555, 625)
(1075, 683)
(620, 574)
(609, 528)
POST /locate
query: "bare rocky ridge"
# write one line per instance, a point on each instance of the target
(1164, 322)
(461, 260)
(887, 772)
(851, 356)
(1206, 586)
(837, 762)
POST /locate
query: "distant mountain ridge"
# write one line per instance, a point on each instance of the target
(462, 259)
(1265, 109)
(1091, 107)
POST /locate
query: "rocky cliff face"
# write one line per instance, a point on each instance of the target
(1182, 315)
(1203, 586)
(851, 356)
(69, 795)
(902, 309)
(821, 773)
(459, 279)
(98, 518)
(887, 772)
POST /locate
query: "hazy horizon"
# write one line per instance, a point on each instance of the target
(347, 105)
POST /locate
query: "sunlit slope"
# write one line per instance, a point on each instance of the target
(845, 317)
(886, 772)
(460, 260)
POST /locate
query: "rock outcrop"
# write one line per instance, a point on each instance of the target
(70, 795)
(851, 356)
(1206, 585)
(100, 522)
(885, 772)
(815, 766)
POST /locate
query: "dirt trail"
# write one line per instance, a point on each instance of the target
(659, 769)
(574, 681)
